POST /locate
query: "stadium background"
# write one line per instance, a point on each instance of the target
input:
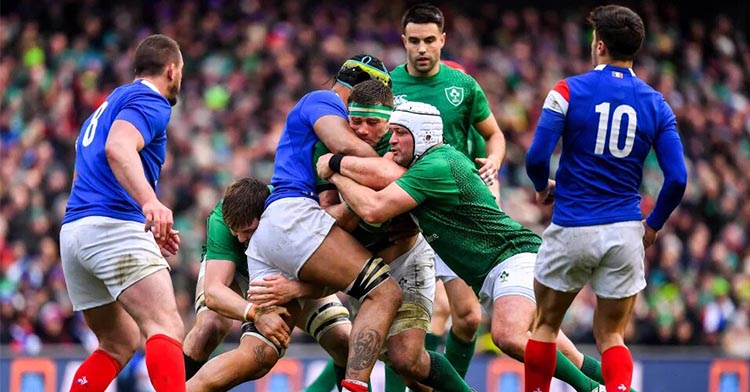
(246, 64)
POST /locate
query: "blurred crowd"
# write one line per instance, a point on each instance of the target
(248, 61)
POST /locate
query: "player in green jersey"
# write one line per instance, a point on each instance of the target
(221, 299)
(467, 119)
(410, 260)
(458, 215)
(225, 252)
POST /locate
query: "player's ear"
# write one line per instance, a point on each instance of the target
(171, 71)
(601, 48)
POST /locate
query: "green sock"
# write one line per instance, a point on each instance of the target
(593, 368)
(443, 375)
(459, 352)
(566, 371)
(432, 342)
(327, 379)
(393, 382)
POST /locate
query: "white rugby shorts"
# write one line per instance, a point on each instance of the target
(101, 257)
(514, 276)
(609, 257)
(290, 231)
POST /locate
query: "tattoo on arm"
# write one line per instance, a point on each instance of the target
(366, 347)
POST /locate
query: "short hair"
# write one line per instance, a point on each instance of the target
(244, 200)
(154, 53)
(620, 29)
(372, 92)
(423, 13)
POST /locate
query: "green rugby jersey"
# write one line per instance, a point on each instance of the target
(459, 98)
(371, 237)
(459, 217)
(221, 244)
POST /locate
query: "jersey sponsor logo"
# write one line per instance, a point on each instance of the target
(504, 276)
(455, 95)
(399, 99)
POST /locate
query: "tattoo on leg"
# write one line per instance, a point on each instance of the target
(260, 355)
(365, 349)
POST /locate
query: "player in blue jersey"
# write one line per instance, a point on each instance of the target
(116, 232)
(297, 236)
(608, 120)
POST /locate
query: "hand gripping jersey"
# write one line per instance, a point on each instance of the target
(457, 95)
(293, 169)
(96, 191)
(608, 120)
(459, 217)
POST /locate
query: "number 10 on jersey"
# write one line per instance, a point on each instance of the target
(614, 129)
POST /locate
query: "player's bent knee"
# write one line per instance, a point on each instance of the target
(373, 275)
(249, 329)
(468, 323)
(510, 341)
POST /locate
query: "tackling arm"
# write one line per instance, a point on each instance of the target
(374, 206)
(335, 133)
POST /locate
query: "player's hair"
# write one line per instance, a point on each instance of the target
(154, 53)
(620, 29)
(362, 67)
(372, 92)
(423, 13)
(244, 201)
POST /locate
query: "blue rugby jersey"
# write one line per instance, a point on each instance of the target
(293, 174)
(96, 191)
(608, 120)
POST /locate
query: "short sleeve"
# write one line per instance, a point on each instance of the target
(149, 113)
(430, 177)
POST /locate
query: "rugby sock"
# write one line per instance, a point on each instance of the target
(443, 376)
(593, 369)
(539, 365)
(432, 341)
(566, 371)
(354, 386)
(166, 368)
(617, 368)
(95, 373)
(192, 366)
(459, 352)
(393, 382)
(326, 379)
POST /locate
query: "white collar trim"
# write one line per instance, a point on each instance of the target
(150, 85)
(601, 67)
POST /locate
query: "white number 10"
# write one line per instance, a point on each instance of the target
(614, 130)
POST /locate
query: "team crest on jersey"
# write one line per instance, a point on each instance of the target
(455, 95)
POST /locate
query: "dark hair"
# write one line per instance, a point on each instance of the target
(363, 67)
(372, 92)
(620, 29)
(244, 201)
(423, 13)
(154, 53)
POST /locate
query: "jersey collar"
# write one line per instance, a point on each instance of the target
(150, 85)
(601, 67)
